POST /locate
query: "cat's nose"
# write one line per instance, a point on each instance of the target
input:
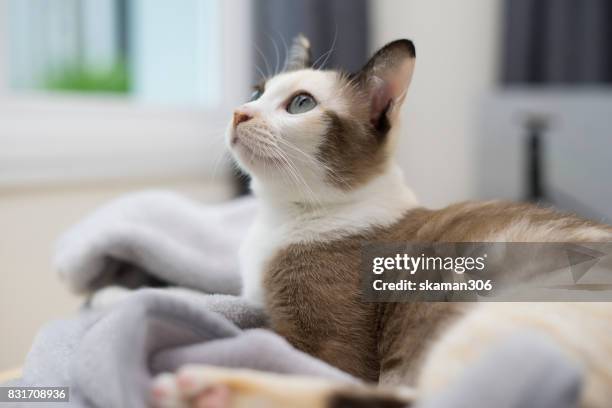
(241, 116)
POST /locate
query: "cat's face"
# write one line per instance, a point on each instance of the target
(308, 133)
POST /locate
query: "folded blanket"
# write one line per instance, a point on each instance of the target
(108, 356)
(148, 238)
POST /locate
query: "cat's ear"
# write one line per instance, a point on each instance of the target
(299, 54)
(386, 78)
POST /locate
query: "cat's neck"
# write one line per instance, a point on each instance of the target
(380, 202)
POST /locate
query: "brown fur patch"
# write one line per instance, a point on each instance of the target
(351, 151)
(313, 290)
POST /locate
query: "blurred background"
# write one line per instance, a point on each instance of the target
(98, 98)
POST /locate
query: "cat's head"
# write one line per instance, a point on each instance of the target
(308, 134)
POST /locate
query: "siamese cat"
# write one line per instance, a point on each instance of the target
(319, 146)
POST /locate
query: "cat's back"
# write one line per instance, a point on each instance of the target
(494, 221)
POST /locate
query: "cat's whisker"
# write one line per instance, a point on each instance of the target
(311, 196)
(224, 157)
(286, 47)
(324, 55)
(266, 139)
(310, 159)
(263, 150)
(268, 142)
(278, 155)
(216, 138)
(317, 163)
(265, 60)
(295, 174)
(262, 76)
(331, 50)
(328, 53)
(285, 170)
(282, 172)
(276, 53)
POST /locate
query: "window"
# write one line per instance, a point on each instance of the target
(69, 45)
(152, 51)
(108, 88)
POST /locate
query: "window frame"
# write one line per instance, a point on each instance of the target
(51, 138)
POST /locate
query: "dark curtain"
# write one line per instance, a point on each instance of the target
(557, 42)
(321, 21)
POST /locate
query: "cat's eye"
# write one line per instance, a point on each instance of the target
(301, 103)
(255, 95)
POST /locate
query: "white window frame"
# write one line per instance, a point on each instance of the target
(57, 138)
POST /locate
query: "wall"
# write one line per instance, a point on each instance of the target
(457, 46)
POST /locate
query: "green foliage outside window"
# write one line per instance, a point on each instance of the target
(86, 79)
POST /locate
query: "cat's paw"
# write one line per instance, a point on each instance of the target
(200, 386)
(190, 387)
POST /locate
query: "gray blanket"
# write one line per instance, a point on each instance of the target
(108, 356)
(156, 236)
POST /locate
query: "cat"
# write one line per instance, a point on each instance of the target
(318, 145)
